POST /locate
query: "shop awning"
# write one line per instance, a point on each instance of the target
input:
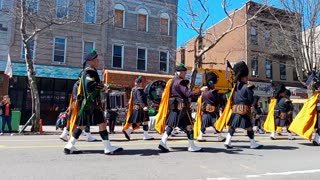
(47, 71)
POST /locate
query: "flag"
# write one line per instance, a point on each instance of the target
(8, 70)
(310, 78)
(227, 69)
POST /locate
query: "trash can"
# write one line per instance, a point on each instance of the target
(15, 121)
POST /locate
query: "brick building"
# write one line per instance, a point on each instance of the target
(257, 43)
(137, 36)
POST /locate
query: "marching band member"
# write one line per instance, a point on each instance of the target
(90, 112)
(256, 114)
(282, 110)
(242, 102)
(209, 109)
(138, 112)
(174, 110)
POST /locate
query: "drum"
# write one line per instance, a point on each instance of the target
(154, 91)
(114, 101)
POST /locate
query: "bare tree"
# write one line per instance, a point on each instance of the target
(196, 21)
(34, 22)
(301, 41)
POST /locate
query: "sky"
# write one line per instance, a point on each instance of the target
(216, 14)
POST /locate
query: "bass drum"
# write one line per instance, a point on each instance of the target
(154, 91)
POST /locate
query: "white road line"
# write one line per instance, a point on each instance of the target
(287, 173)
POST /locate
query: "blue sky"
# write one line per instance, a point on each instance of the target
(216, 14)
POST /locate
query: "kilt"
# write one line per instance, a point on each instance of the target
(240, 121)
(91, 117)
(179, 118)
(209, 119)
(139, 116)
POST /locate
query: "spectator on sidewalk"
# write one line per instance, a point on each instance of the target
(6, 108)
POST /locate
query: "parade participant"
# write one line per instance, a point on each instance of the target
(242, 100)
(209, 108)
(174, 110)
(256, 114)
(87, 133)
(90, 112)
(307, 120)
(138, 111)
(282, 109)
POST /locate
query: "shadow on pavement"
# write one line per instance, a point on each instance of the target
(272, 147)
(141, 152)
(307, 144)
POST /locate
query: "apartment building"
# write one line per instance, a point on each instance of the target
(257, 43)
(128, 35)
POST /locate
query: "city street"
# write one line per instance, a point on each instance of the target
(42, 157)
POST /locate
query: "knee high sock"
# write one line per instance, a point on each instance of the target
(203, 130)
(145, 127)
(190, 135)
(231, 131)
(104, 135)
(169, 130)
(250, 134)
(87, 129)
(76, 133)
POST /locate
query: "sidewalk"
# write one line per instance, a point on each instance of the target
(94, 129)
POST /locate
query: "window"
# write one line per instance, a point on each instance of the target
(143, 20)
(59, 54)
(62, 8)
(267, 38)
(142, 59)
(295, 75)
(90, 12)
(87, 47)
(164, 23)
(31, 44)
(118, 16)
(283, 74)
(254, 66)
(268, 69)
(32, 6)
(253, 34)
(117, 56)
(164, 61)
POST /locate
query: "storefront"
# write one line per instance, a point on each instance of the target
(264, 91)
(54, 86)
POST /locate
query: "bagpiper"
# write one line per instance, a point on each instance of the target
(90, 112)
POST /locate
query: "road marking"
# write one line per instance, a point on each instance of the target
(287, 173)
(221, 178)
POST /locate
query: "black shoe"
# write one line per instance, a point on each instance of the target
(68, 151)
(228, 146)
(315, 143)
(163, 149)
(272, 138)
(115, 151)
(126, 135)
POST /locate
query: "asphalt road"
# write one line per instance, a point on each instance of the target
(41, 157)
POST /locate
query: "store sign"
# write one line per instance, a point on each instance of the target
(298, 93)
(262, 89)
